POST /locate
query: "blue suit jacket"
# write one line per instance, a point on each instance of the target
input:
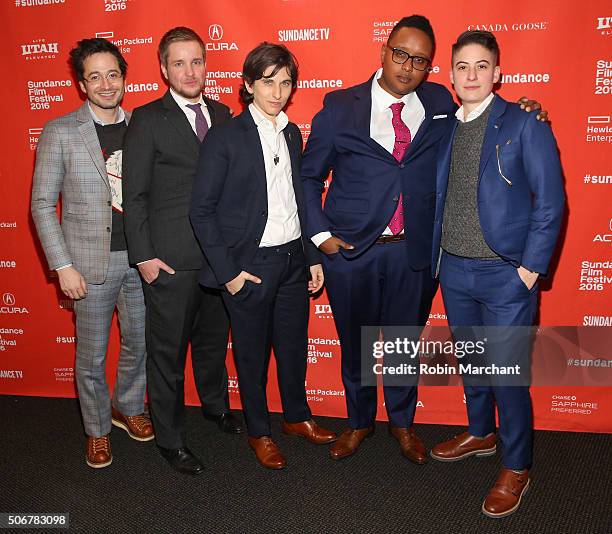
(229, 201)
(367, 180)
(520, 187)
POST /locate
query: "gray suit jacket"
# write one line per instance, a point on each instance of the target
(69, 161)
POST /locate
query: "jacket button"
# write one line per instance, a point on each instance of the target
(108, 228)
(256, 240)
(264, 213)
(402, 165)
(396, 199)
(109, 203)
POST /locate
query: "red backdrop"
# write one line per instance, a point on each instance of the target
(556, 52)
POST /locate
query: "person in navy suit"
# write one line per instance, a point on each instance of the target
(248, 213)
(380, 138)
(499, 210)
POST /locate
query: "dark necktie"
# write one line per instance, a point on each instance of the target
(402, 142)
(200, 122)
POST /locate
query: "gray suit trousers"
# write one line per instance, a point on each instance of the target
(122, 290)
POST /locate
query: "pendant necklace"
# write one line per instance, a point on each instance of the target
(276, 152)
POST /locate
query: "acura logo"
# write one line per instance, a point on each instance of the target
(215, 32)
(8, 299)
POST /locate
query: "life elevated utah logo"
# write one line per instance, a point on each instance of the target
(39, 49)
(604, 25)
(215, 34)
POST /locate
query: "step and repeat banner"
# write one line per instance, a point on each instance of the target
(559, 53)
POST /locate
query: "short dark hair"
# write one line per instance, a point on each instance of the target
(261, 58)
(180, 33)
(415, 21)
(480, 37)
(88, 47)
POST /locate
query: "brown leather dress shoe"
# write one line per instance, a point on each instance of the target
(349, 442)
(138, 427)
(98, 452)
(410, 444)
(505, 497)
(311, 431)
(463, 446)
(267, 452)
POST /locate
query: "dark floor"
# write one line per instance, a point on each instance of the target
(42, 469)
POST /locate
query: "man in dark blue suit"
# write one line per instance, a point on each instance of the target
(381, 140)
(498, 213)
(248, 213)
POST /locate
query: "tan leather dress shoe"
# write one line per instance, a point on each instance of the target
(311, 431)
(267, 452)
(349, 442)
(410, 444)
(463, 446)
(138, 427)
(98, 452)
(505, 496)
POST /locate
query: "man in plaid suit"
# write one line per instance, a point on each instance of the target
(79, 155)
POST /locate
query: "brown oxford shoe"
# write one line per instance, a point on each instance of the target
(267, 452)
(505, 496)
(348, 442)
(98, 452)
(410, 444)
(311, 431)
(138, 427)
(463, 446)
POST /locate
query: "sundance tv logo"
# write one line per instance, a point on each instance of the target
(39, 49)
(215, 34)
(323, 311)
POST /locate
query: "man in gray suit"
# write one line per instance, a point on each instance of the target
(79, 155)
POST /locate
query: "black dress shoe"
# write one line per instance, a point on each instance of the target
(182, 460)
(226, 422)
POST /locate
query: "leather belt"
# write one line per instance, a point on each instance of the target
(390, 238)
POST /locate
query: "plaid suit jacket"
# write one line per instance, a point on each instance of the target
(69, 161)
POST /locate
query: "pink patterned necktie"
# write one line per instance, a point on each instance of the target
(402, 142)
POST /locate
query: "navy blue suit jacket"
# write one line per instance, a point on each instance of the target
(229, 202)
(366, 179)
(520, 187)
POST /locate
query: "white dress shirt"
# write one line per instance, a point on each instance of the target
(475, 113)
(381, 127)
(283, 224)
(189, 113)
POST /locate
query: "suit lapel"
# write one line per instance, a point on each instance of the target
(252, 147)
(87, 129)
(294, 148)
(492, 132)
(211, 112)
(178, 120)
(422, 131)
(363, 113)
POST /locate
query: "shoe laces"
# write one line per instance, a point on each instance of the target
(100, 444)
(139, 421)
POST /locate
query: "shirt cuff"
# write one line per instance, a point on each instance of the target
(319, 238)
(63, 267)
(145, 261)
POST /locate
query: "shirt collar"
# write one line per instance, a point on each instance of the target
(381, 99)
(183, 102)
(98, 120)
(263, 122)
(475, 113)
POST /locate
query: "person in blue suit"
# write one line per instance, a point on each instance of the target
(499, 209)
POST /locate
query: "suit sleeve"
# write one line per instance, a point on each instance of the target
(318, 159)
(208, 186)
(47, 185)
(138, 168)
(545, 177)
